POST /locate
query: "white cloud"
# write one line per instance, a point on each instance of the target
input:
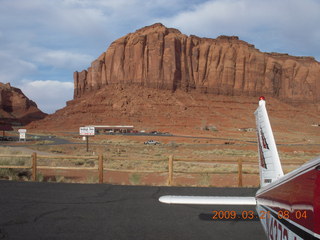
(286, 26)
(13, 68)
(62, 59)
(49, 95)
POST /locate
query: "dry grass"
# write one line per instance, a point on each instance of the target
(14, 174)
(129, 153)
(8, 150)
(125, 153)
(14, 161)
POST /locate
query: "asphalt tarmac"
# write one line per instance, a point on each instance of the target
(90, 211)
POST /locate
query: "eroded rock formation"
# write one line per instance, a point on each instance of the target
(164, 58)
(16, 108)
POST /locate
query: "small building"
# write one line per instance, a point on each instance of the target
(113, 128)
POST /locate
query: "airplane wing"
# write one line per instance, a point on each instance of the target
(288, 205)
(204, 200)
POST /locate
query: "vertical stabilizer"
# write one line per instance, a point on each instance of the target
(270, 166)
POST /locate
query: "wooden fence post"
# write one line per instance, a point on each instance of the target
(87, 143)
(34, 166)
(239, 172)
(170, 168)
(100, 168)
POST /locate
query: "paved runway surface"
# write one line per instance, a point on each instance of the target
(92, 211)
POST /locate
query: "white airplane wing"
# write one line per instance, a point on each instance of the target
(204, 200)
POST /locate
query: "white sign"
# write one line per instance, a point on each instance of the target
(87, 131)
(22, 135)
(22, 130)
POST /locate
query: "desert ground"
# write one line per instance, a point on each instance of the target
(211, 157)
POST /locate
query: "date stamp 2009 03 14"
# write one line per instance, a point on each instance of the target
(250, 215)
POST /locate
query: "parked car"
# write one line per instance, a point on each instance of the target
(5, 138)
(151, 142)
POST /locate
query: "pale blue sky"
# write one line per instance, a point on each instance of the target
(42, 42)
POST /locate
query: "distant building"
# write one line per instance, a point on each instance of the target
(113, 128)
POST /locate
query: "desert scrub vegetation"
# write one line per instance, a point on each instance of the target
(204, 180)
(92, 179)
(15, 174)
(138, 165)
(205, 167)
(14, 161)
(8, 150)
(135, 178)
(297, 156)
(41, 146)
(10, 173)
(17, 160)
(227, 152)
(60, 161)
(44, 142)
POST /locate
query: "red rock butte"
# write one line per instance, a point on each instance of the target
(16, 108)
(164, 58)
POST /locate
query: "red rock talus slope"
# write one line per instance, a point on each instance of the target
(164, 58)
(16, 108)
(179, 112)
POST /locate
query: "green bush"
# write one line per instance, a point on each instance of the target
(135, 178)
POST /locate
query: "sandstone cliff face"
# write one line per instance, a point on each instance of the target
(164, 58)
(16, 108)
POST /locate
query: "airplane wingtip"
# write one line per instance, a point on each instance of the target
(164, 199)
(262, 98)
